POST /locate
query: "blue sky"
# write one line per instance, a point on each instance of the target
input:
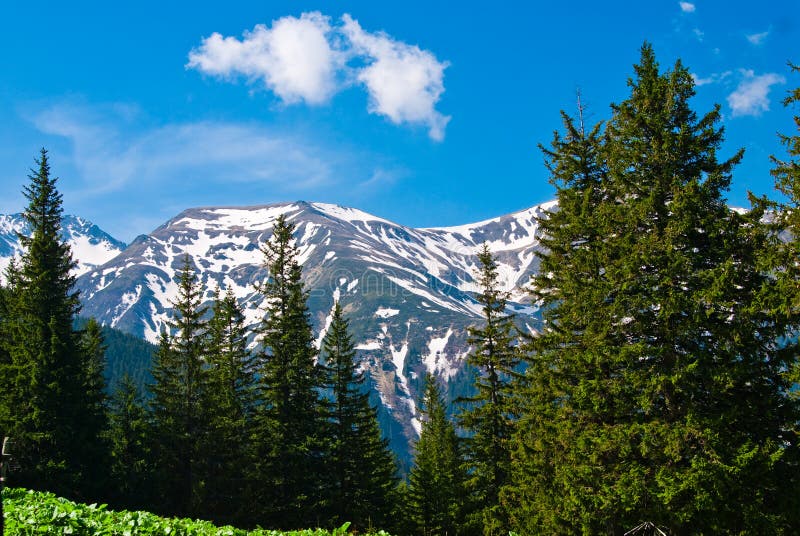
(421, 112)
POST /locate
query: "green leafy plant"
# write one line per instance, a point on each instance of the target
(33, 512)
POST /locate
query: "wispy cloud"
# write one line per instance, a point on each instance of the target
(404, 82)
(307, 59)
(381, 180)
(293, 58)
(757, 38)
(110, 150)
(713, 78)
(751, 97)
(698, 33)
(687, 7)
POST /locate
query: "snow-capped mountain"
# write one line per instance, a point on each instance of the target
(90, 245)
(407, 292)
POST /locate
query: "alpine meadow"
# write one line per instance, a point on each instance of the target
(620, 358)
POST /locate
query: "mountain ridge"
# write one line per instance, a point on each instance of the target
(408, 292)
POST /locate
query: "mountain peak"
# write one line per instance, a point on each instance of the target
(90, 245)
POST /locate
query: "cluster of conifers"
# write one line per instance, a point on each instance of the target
(273, 436)
(658, 389)
(659, 393)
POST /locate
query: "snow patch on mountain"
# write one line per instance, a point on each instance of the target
(90, 245)
(399, 359)
(347, 214)
(326, 325)
(250, 218)
(383, 312)
(126, 302)
(436, 361)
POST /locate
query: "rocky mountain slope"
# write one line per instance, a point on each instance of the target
(409, 293)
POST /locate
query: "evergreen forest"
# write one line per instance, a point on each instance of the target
(661, 389)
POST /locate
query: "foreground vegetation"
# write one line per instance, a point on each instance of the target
(33, 512)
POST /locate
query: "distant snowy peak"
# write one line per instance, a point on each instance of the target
(428, 270)
(255, 218)
(503, 233)
(90, 245)
(350, 215)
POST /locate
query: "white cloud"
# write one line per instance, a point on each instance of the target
(698, 81)
(751, 96)
(699, 34)
(757, 38)
(687, 7)
(404, 82)
(711, 79)
(306, 59)
(294, 58)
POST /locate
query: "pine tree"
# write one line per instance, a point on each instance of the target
(231, 410)
(656, 392)
(178, 403)
(435, 497)
(783, 263)
(43, 402)
(292, 417)
(95, 418)
(4, 312)
(572, 236)
(489, 416)
(787, 181)
(362, 468)
(130, 453)
(7, 415)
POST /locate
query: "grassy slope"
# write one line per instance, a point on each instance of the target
(30, 512)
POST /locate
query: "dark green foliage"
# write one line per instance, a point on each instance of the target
(569, 273)
(91, 433)
(5, 313)
(130, 453)
(488, 417)
(787, 221)
(435, 497)
(784, 264)
(231, 404)
(179, 402)
(362, 468)
(48, 396)
(656, 391)
(292, 417)
(787, 172)
(126, 354)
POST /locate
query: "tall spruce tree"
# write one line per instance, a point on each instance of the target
(362, 468)
(95, 419)
(488, 417)
(231, 404)
(435, 498)
(787, 181)
(179, 401)
(130, 451)
(292, 417)
(572, 235)
(44, 402)
(783, 263)
(656, 390)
